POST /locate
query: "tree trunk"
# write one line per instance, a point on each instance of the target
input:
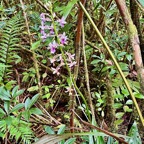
(134, 9)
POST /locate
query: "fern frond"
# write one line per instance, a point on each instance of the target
(18, 130)
(8, 46)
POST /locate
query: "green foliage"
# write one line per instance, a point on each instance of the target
(66, 10)
(28, 107)
(134, 135)
(11, 113)
(17, 67)
(9, 45)
(18, 129)
(10, 124)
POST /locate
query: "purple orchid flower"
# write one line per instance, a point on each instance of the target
(61, 22)
(43, 17)
(54, 59)
(51, 29)
(52, 46)
(70, 56)
(44, 35)
(63, 38)
(71, 64)
(56, 70)
(43, 27)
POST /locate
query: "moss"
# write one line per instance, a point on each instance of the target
(132, 30)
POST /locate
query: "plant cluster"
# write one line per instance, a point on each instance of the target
(59, 80)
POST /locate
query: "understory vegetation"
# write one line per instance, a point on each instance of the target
(71, 72)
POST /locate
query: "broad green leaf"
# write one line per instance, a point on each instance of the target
(127, 109)
(65, 12)
(9, 85)
(125, 92)
(62, 129)
(35, 45)
(17, 107)
(118, 122)
(30, 102)
(129, 57)
(2, 134)
(117, 105)
(33, 100)
(91, 139)
(7, 106)
(18, 93)
(46, 96)
(119, 115)
(33, 88)
(27, 103)
(110, 140)
(15, 89)
(26, 115)
(4, 94)
(49, 130)
(5, 97)
(35, 111)
(120, 96)
(44, 75)
(95, 62)
(100, 140)
(2, 65)
(121, 54)
(138, 95)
